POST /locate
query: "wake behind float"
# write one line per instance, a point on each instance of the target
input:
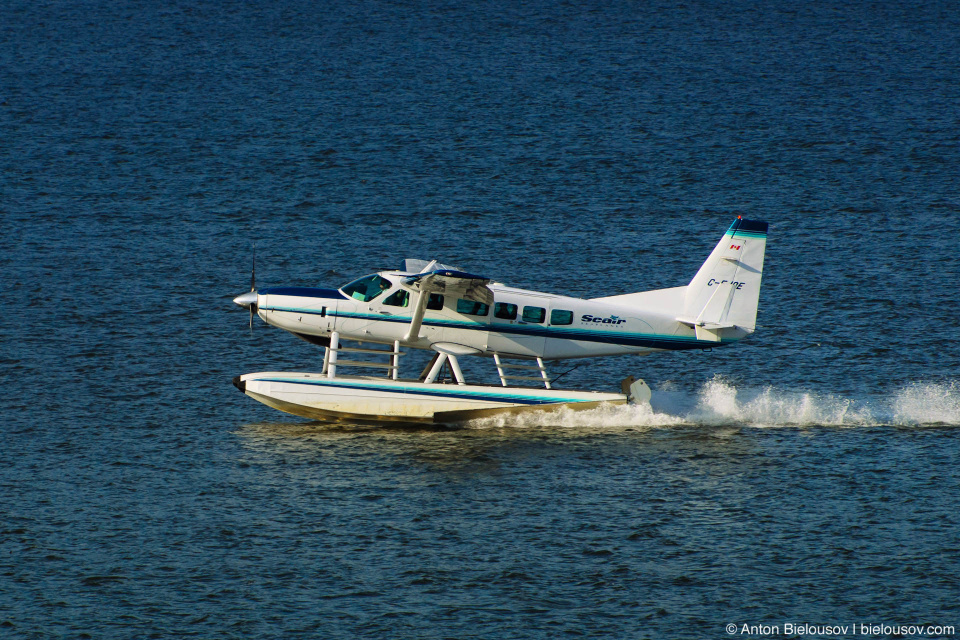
(431, 306)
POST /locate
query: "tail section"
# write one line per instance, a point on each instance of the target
(726, 290)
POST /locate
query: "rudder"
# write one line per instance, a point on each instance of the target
(725, 292)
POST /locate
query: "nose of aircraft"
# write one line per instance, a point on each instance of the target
(246, 300)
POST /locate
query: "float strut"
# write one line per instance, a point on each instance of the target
(395, 358)
(456, 369)
(435, 369)
(332, 355)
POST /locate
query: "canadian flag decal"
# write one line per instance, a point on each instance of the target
(735, 247)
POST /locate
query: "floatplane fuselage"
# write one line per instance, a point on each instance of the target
(431, 306)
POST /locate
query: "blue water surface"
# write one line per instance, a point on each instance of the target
(807, 475)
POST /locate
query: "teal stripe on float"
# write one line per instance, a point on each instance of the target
(440, 392)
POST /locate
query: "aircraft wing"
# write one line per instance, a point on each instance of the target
(451, 282)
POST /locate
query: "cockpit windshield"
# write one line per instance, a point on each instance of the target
(367, 288)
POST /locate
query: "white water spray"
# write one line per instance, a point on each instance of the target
(721, 403)
(919, 404)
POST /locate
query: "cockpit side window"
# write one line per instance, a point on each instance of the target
(398, 298)
(367, 288)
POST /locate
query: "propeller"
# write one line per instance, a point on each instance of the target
(249, 299)
(253, 282)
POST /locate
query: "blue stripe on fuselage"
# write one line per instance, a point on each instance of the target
(652, 341)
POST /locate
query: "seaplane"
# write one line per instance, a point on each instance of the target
(454, 314)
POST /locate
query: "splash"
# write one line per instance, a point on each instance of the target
(604, 416)
(920, 404)
(719, 402)
(723, 403)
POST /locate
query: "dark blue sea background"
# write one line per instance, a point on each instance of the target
(808, 475)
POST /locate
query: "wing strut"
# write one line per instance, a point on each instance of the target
(413, 334)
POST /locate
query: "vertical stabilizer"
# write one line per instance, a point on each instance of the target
(726, 290)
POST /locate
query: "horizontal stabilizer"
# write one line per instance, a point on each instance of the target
(706, 325)
(707, 331)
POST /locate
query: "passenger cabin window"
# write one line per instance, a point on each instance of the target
(435, 302)
(559, 316)
(398, 298)
(367, 288)
(505, 311)
(472, 308)
(534, 314)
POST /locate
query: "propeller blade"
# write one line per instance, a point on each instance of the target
(249, 299)
(253, 271)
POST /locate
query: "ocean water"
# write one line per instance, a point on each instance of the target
(807, 475)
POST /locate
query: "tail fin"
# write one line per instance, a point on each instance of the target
(726, 290)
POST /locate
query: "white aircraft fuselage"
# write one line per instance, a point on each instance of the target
(430, 306)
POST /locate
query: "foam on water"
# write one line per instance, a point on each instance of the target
(720, 402)
(919, 404)
(608, 416)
